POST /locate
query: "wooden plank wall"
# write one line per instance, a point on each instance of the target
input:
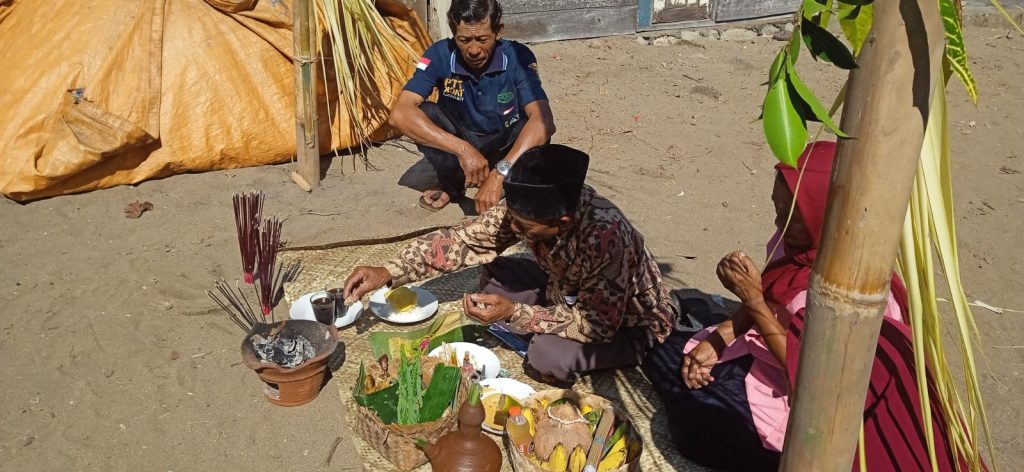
(551, 20)
(732, 10)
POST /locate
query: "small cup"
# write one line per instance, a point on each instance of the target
(323, 307)
(340, 310)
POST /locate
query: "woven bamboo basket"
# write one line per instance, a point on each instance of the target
(395, 442)
(522, 464)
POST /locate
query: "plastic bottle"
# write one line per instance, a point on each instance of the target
(518, 430)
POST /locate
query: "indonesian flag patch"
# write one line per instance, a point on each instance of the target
(507, 111)
(422, 65)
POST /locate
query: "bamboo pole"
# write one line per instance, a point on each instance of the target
(307, 144)
(887, 112)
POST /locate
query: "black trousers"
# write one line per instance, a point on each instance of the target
(493, 147)
(711, 425)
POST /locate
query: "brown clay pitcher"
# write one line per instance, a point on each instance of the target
(466, 449)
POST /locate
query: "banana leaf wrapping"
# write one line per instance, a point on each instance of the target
(444, 329)
(377, 415)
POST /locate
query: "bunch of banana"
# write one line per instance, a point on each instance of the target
(577, 460)
(560, 462)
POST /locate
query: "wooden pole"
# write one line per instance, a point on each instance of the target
(307, 142)
(887, 112)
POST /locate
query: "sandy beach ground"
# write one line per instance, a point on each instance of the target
(113, 358)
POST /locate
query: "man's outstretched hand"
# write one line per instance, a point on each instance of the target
(364, 280)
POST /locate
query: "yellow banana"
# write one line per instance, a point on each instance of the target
(577, 460)
(616, 456)
(559, 460)
(528, 414)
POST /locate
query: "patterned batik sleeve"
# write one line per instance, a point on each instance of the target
(600, 303)
(478, 241)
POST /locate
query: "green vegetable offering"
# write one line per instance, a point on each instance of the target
(441, 392)
(410, 390)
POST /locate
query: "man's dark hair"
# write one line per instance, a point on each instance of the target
(474, 12)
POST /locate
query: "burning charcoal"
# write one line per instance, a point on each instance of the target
(284, 351)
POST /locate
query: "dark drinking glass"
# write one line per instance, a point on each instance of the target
(339, 302)
(323, 307)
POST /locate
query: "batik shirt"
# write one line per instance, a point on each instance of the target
(601, 276)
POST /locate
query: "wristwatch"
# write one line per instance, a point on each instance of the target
(503, 167)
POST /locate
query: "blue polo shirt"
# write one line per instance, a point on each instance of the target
(485, 105)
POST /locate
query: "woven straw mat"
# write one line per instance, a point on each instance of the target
(327, 266)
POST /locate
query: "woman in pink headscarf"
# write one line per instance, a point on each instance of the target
(727, 388)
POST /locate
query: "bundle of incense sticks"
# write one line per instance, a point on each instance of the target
(268, 243)
(248, 213)
(234, 304)
(283, 275)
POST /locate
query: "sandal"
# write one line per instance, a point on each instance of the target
(424, 204)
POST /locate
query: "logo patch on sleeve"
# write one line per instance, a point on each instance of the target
(423, 63)
(453, 89)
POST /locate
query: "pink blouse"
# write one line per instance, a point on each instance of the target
(766, 384)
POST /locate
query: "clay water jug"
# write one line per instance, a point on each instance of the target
(466, 449)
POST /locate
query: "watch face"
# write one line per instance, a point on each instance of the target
(503, 167)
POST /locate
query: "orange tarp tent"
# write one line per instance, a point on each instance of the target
(101, 93)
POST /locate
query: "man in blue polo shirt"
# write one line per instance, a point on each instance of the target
(490, 106)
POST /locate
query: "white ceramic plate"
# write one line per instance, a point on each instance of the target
(510, 388)
(426, 306)
(302, 309)
(481, 357)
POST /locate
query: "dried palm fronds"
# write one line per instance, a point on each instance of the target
(930, 224)
(366, 56)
